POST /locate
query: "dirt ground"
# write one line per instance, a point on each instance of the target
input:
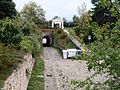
(60, 72)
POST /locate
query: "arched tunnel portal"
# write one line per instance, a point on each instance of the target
(47, 37)
(47, 40)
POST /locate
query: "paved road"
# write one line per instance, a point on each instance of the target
(60, 72)
(49, 58)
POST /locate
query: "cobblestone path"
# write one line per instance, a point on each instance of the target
(60, 72)
(49, 58)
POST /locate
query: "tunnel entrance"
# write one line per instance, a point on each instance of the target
(46, 41)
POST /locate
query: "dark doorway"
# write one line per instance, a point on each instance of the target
(46, 41)
(56, 25)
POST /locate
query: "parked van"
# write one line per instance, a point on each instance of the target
(69, 53)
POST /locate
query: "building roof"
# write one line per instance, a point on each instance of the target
(58, 19)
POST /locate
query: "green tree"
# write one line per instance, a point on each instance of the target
(68, 23)
(7, 9)
(106, 11)
(10, 32)
(33, 13)
(82, 28)
(75, 19)
(105, 55)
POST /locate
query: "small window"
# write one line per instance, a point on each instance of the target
(78, 52)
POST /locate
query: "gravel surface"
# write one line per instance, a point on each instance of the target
(60, 72)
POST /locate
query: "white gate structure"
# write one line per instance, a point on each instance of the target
(58, 22)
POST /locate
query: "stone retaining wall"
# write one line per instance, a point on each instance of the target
(19, 79)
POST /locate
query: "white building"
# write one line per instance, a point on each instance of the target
(58, 23)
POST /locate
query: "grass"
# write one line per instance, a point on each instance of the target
(37, 77)
(62, 41)
(10, 58)
(72, 32)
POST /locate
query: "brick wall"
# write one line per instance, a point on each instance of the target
(19, 79)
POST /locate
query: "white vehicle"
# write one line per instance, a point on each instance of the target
(64, 54)
(71, 53)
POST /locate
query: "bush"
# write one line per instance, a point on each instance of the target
(9, 57)
(104, 55)
(16, 38)
(9, 32)
(9, 60)
(27, 44)
(31, 44)
(26, 30)
(61, 40)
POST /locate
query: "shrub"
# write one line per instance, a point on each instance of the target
(104, 56)
(9, 32)
(61, 40)
(26, 29)
(9, 60)
(31, 44)
(27, 44)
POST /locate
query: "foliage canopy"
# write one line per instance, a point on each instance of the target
(7, 9)
(32, 12)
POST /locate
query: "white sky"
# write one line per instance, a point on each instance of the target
(62, 8)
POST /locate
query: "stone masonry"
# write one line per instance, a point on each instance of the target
(19, 79)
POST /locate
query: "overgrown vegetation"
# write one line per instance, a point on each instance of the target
(9, 60)
(10, 34)
(106, 11)
(61, 40)
(18, 36)
(37, 77)
(7, 9)
(10, 54)
(34, 13)
(14, 45)
(103, 42)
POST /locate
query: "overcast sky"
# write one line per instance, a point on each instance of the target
(62, 8)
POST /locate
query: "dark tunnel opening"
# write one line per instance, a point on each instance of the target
(46, 41)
